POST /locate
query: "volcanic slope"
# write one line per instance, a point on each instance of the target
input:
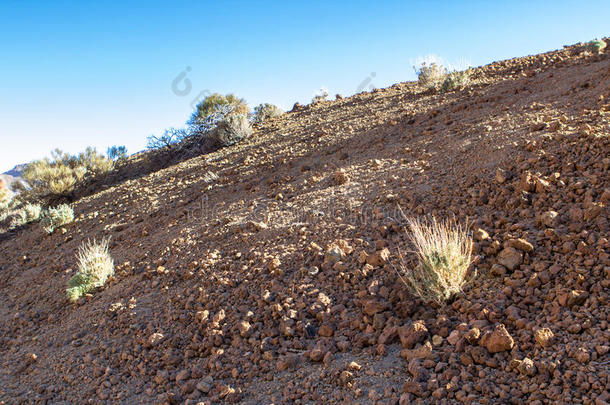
(258, 273)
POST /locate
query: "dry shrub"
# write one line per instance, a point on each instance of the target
(58, 176)
(53, 218)
(430, 76)
(443, 250)
(95, 266)
(264, 112)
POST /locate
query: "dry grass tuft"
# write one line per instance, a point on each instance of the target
(95, 266)
(443, 249)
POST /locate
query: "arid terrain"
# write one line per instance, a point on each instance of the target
(267, 272)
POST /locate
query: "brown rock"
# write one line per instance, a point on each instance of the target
(326, 330)
(521, 244)
(577, 297)
(510, 258)
(497, 341)
(527, 367)
(413, 387)
(420, 352)
(549, 218)
(413, 334)
(374, 306)
(543, 337)
(378, 258)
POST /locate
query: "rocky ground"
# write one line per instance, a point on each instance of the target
(267, 272)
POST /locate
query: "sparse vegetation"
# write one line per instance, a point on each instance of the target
(443, 249)
(95, 266)
(456, 80)
(58, 176)
(430, 76)
(596, 46)
(264, 112)
(320, 97)
(53, 218)
(170, 137)
(231, 130)
(116, 152)
(25, 215)
(215, 103)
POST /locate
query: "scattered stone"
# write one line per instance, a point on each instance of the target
(499, 340)
(510, 258)
(544, 337)
(379, 258)
(521, 244)
(412, 334)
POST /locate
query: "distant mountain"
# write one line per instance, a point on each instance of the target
(17, 170)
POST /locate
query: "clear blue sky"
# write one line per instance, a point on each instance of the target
(79, 73)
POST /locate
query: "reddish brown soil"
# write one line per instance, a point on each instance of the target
(223, 294)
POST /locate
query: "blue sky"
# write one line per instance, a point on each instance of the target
(79, 73)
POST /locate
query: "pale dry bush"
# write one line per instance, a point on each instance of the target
(443, 250)
(60, 175)
(266, 111)
(95, 266)
(231, 130)
(431, 75)
(28, 213)
(55, 217)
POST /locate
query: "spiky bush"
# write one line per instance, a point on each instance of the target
(58, 176)
(55, 217)
(231, 130)
(443, 250)
(95, 266)
(596, 46)
(456, 80)
(430, 76)
(29, 213)
(215, 102)
(264, 112)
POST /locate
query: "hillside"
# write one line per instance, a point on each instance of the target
(225, 290)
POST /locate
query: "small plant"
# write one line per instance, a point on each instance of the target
(29, 213)
(215, 102)
(443, 249)
(456, 80)
(116, 152)
(430, 76)
(264, 112)
(320, 97)
(231, 130)
(55, 217)
(95, 266)
(596, 46)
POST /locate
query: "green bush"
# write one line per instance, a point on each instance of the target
(596, 46)
(95, 266)
(58, 176)
(55, 217)
(216, 102)
(264, 112)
